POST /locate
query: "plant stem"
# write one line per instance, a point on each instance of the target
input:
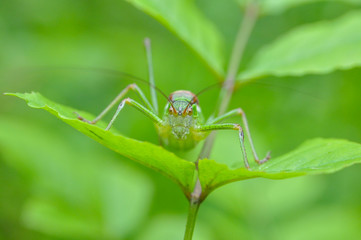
(225, 95)
(194, 204)
(244, 32)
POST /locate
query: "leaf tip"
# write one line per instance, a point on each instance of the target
(9, 94)
(21, 95)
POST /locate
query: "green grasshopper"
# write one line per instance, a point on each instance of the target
(182, 126)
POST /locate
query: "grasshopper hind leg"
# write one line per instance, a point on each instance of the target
(214, 124)
(139, 107)
(230, 126)
(115, 101)
(78, 116)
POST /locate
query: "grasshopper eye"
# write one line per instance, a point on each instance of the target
(172, 111)
(189, 111)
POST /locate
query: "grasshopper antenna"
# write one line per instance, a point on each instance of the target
(200, 92)
(280, 86)
(208, 88)
(126, 75)
(148, 49)
(110, 72)
(254, 83)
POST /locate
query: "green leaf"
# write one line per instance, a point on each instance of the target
(184, 19)
(315, 156)
(269, 7)
(150, 155)
(317, 48)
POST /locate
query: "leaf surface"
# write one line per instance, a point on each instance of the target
(150, 155)
(269, 7)
(315, 156)
(184, 19)
(316, 48)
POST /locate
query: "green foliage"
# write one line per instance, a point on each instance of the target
(317, 48)
(316, 156)
(313, 157)
(186, 21)
(155, 157)
(57, 184)
(276, 7)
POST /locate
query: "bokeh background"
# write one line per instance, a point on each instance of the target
(56, 183)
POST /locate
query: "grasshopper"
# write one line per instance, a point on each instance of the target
(182, 125)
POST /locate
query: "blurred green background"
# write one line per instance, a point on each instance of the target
(56, 183)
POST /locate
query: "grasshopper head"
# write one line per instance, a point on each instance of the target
(182, 103)
(180, 112)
